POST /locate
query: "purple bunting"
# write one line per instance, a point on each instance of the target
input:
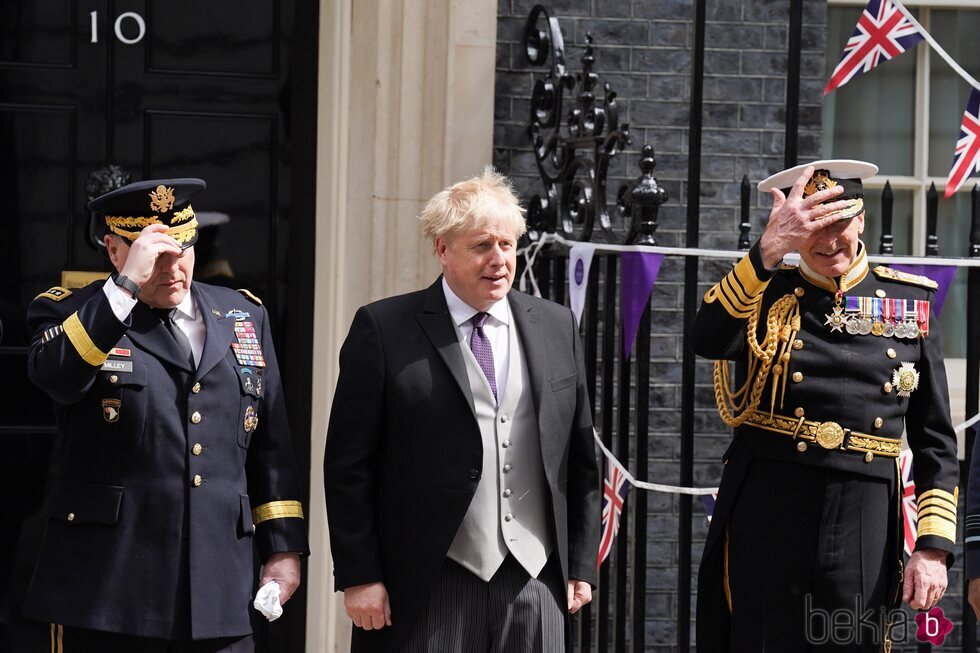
(941, 274)
(640, 270)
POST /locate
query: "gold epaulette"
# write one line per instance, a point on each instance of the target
(884, 272)
(57, 293)
(248, 294)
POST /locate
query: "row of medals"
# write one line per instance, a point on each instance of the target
(862, 325)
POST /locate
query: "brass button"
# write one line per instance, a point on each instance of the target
(196, 388)
(198, 480)
(868, 457)
(801, 446)
(879, 293)
(799, 411)
(113, 379)
(797, 377)
(71, 516)
(891, 353)
(797, 344)
(197, 449)
(887, 387)
(878, 422)
(798, 291)
(196, 417)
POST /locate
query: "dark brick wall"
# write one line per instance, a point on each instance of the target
(643, 49)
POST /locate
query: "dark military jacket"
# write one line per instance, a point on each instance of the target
(165, 477)
(833, 376)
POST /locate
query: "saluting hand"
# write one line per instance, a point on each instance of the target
(284, 568)
(367, 605)
(145, 250)
(793, 219)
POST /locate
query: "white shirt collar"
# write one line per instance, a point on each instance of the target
(187, 307)
(463, 312)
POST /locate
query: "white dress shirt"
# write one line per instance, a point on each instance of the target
(188, 318)
(496, 329)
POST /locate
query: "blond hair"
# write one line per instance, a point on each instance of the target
(471, 204)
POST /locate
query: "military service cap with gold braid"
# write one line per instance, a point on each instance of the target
(128, 210)
(828, 173)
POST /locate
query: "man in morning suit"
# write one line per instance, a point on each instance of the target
(174, 458)
(461, 478)
(841, 358)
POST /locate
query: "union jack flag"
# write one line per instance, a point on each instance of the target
(910, 511)
(882, 32)
(709, 504)
(966, 159)
(614, 490)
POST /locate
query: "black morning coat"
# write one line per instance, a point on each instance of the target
(160, 471)
(404, 453)
(833, 376)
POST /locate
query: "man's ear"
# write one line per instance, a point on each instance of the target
(117, 250)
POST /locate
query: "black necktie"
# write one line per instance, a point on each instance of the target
(169, 318)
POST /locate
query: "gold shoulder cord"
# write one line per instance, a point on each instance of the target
(782, 325)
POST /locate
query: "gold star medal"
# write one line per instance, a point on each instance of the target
(905, 379)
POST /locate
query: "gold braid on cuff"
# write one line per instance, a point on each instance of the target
(277, 510)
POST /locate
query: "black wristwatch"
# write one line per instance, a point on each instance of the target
(128, 284)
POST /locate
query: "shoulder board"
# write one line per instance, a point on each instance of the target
(248, 294)
(56, 294)
(883, 272)
(788, 267)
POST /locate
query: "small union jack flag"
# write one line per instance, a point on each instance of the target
(882, 32)
(614, 490)
(910, 511)
(966, 159)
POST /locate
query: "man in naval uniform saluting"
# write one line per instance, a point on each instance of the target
(461, 477)
(842, 358)
(174, 458)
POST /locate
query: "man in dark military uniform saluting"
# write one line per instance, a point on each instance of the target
(841, 358)
(174, 454)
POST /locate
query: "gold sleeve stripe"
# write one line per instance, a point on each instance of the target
(936, 501)
(939, 494)
(714, 294)
(745, 272)
(730, 286)
(277, 510)
(83, 344)
(932, 525)
(938, 512)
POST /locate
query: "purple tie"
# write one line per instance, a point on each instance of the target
(480, 345)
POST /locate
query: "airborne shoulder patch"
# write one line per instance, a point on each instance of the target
(248, 294)
(883, 272)
(57, 293)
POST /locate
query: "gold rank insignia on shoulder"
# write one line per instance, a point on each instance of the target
(248, 293)
(57, 293)
(905, 379)
(161, 199)
(883, 272)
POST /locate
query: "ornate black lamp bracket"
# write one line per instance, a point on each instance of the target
(572, 147)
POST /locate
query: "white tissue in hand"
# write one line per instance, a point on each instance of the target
(267, 601)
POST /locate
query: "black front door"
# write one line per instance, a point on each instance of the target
(221, 90)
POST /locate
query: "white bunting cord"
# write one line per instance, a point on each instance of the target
(968, 423)
(935, 46)
(643, 485)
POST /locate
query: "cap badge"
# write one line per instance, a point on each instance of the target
(819, 181)
(162, 199)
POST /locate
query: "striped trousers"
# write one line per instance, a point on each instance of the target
(512, 613)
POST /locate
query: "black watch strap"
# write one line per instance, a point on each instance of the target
(127, 283)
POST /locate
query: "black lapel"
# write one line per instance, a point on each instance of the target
(437, 324)
(533, 338)
(218, 332)
(150, 335)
